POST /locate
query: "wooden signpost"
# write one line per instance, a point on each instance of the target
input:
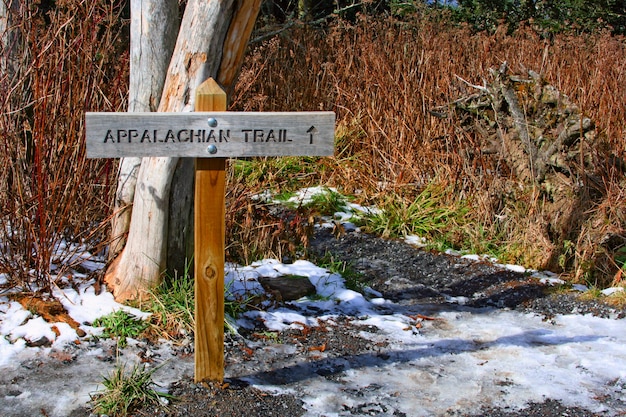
(210, 135)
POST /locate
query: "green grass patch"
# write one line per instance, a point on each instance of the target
(427, 215)
(287, 173)
(272, 336)
(474, 237)
(353, 279)
(328, 202)
(126, 391)
(593, 293)
(618, 298)
(121, 325)
(284, 196)
(172, 306)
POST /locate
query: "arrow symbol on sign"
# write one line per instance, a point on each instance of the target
(312, 131)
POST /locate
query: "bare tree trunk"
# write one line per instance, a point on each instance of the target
(208, 27)
(180, 245)
(4, 34)
(153, 27)
(10, 48)
(5, 41)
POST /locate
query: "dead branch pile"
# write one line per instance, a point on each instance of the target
(527, 121)
(547, 145)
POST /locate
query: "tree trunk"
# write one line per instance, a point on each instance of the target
(10, 45)
(153, 28)
(180, 247)
(180, 225)
(4, 34)
(213, 39)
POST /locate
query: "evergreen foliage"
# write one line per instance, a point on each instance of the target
(548, 16)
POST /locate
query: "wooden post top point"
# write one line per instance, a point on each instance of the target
(210, 96)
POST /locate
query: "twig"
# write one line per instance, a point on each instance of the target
(478, 87)
(299, 23)
(519, 118)
(273, 33)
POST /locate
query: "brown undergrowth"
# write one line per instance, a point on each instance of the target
(388, 79)
(56, 63)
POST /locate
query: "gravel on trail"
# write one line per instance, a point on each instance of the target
(406, 275)
(403, 274)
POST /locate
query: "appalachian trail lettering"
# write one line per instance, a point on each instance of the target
(194, 136)
(209, 134)
(154, 136)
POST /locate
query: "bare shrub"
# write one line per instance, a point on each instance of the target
(67, 60)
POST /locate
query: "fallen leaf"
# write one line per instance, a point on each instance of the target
(427, 318)
(320, 348)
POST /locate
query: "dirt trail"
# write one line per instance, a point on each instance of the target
(422, 285)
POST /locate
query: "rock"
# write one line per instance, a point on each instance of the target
(288, 287)
(42, 341)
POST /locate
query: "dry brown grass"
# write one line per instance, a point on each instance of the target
(383, 76)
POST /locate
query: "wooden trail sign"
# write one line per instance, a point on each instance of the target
(210, 135)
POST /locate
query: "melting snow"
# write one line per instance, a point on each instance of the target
(465, 359)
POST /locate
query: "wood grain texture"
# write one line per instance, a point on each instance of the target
(237, 134)
(236, 41)
(196, 56)
(209, 244)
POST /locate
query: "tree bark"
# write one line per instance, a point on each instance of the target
(207, 27)
(153, 27)
(11, 47)
(180, 247)
(5, 35)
